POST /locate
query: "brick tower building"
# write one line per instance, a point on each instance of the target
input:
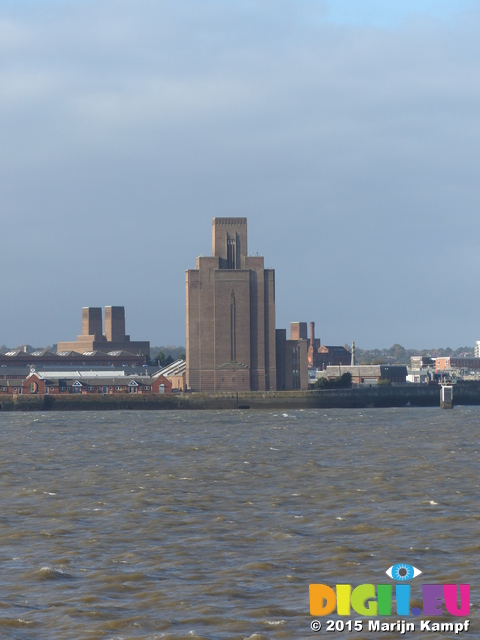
(230, 309)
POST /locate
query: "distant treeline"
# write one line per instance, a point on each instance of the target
(395, 355)
(4, 349)
(166, 355)
(399, 355)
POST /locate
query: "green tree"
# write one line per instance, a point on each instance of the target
(346, 380)
(162, 360)
(340, 382)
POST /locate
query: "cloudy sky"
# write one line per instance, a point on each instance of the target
(347, 131)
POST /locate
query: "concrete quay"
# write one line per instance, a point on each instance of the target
(401, 396)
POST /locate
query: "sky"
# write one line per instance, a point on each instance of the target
(346, 131)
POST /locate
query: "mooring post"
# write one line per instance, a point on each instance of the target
(446, 397)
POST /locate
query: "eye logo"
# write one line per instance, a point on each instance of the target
(372, 600)
(403, 572)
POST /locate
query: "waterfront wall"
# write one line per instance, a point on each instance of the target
(401, 396)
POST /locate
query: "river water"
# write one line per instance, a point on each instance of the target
(149, 524)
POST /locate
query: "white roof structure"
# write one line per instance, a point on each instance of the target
(177, 368)
(69, 373)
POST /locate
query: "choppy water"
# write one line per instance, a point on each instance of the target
(170, 525)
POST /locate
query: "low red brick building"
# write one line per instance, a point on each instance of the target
(38, 384)
(14, 386)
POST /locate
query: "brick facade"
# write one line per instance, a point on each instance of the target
(230, 309)
(36, 384)
(114, 339)
(292, 362)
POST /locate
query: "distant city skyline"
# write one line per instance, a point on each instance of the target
(347, 132)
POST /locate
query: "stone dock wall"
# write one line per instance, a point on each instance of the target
(401, 396)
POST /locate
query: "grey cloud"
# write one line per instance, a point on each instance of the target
(127, 126)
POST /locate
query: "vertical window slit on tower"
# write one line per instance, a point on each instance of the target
(233, 338)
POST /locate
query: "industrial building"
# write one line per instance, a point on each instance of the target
(292, 364)
(45, 358)
(92, 337)
(369, 374)
(230, 315)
